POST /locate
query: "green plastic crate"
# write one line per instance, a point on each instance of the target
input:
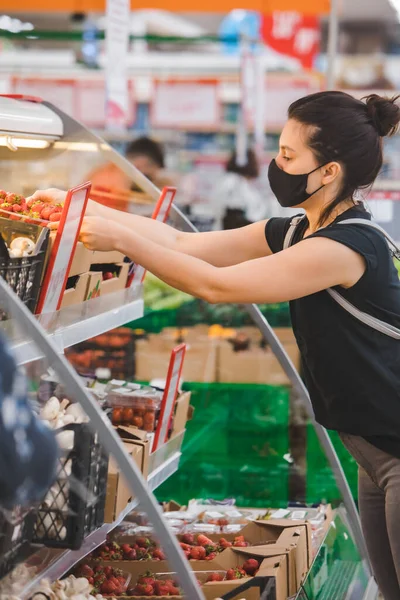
(320, 478)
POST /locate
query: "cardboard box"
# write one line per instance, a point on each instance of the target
(81, 261)
(117, 283)
(94, 285)
(119, 493)
(77, 293)
(102, 258)
(153, 356)
(182, 414)
(132, 435)
(256, 365)
(210, 590)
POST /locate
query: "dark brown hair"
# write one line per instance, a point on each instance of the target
(145, 146)
(350, 132)
(250, 169)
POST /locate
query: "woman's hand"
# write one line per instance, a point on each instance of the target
(50, 195)
(99, 234)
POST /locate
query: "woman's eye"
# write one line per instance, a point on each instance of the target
(286, 158)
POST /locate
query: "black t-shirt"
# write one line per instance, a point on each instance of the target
(352, 371)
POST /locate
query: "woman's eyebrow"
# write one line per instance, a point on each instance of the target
(283, 147)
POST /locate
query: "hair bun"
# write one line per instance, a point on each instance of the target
(384, 113)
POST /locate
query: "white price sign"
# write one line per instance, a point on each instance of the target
(117, 44)
(160, 213)
(170, 395)
(63, 249)
(186, 104)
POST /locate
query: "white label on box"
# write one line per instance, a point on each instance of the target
(233, 528)
(280, 514)
(298, 515)
(213, 514)
(206, 527)
(233, 514)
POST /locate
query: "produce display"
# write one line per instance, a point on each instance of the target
(16, 208)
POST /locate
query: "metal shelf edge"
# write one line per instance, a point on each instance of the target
(69, 558)
(81, 330)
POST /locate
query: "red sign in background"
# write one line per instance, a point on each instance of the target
(293, 34)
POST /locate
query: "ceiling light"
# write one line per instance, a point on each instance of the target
(13, 143)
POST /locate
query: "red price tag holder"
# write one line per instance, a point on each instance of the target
(62, 253)
(160, 213)
(170, 395)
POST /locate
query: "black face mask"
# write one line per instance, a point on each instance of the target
(290, 190)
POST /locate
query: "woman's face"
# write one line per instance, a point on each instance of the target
(296, 158)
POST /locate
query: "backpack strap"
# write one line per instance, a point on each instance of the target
(363, 317)
(287, 242)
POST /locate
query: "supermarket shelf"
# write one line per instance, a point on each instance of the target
(65, 560)
(75, 324)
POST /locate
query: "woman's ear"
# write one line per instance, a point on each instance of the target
(330, 172)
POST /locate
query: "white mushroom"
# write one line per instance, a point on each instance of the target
(23, 243)
(65, 439)
(77, 412)
(15, 253)
(51, 409)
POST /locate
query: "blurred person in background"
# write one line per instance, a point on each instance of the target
(236, 199)
(147, 156)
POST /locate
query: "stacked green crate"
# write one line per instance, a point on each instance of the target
(321, 483)
(198, 312)
(235, 446)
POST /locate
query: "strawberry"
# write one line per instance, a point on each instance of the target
(14, 217)
(224, 543)
(211, 556)
(185, 547)
(55, 216)
(17, 208)
(251, 566)
(108, 588)
(174, 591)
(6, 206)
(161, 589)
(188, 538)
(239, 538)
(211, 548)
(223, 522)
(144, 590)
(85, 571)
(15, 199)
(147, 579)
(142, 554)
(108, 571)
(126, 548)
(198, 553)
(215, 577)
(240, 544)
(46, 212)
(3, 195)
(158, 554)
(203, 540)
(235, 574)
(143, 542)
(132, 555)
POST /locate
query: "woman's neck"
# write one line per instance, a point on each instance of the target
(315, 212)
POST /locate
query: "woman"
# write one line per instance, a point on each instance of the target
(236, 200)
(330, 147)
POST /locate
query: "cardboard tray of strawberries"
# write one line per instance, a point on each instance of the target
(17, 208)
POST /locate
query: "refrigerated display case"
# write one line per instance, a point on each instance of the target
(41, 147)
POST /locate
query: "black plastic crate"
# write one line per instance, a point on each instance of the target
(23, 275)
(15, 541)
(74, 507)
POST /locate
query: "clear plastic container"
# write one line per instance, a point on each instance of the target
(136, 408)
